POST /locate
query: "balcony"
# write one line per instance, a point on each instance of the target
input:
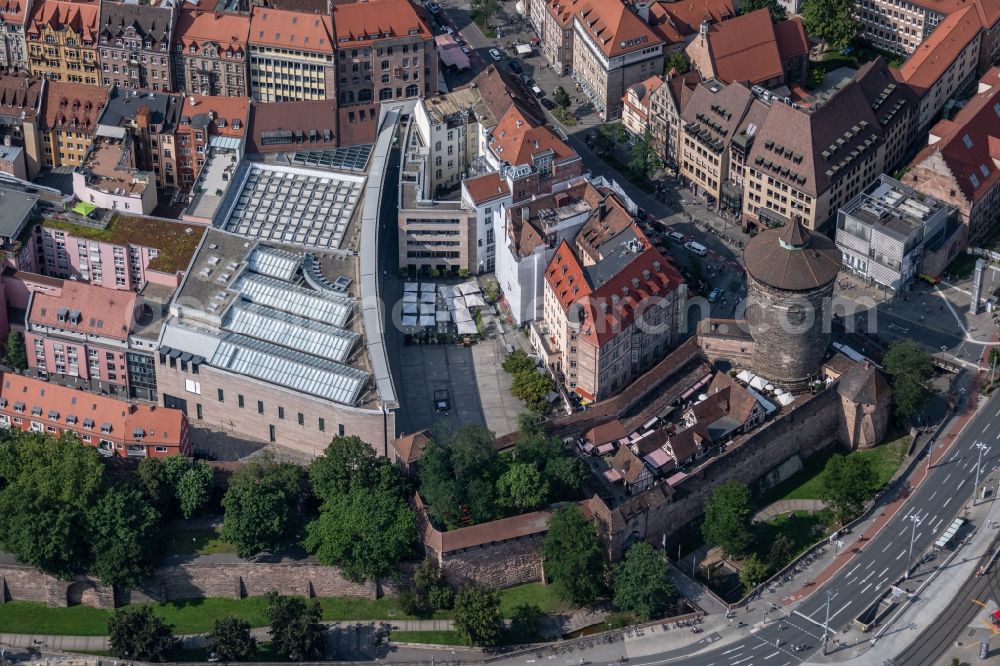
(106, 449)
(135, 451)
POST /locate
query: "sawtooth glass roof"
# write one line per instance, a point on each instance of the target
(292, 369)
(274, 262)
(319, 306)
(290, 330)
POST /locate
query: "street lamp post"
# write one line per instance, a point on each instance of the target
(979, 464)
(914, 521)
(826, 625)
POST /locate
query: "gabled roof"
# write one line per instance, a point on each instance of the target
(627, 464)
(149, 21)
(499, 95)
(80, 17)
(644, 91)
(609, 431)
(614, 28)
(864, 384)
(517, 139)
(744, 49)
(486, 187)
(158, 425)
(22, 92)
(372, 20)
(14, 12)
(316, 120)
(718, 113)
(211, 110)
(291, 30)
(791, 38)
(675, 21)
(99, 311)
(67, 103)
(969, 143)
(411, 447)
(229, 31)
(932, 58)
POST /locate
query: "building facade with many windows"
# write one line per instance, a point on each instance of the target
(135, 46)
(13, 48)
(70, 112)
(62, 41)
(210, 53)
(291, 56)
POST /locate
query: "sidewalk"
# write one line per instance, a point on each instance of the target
(782, 507)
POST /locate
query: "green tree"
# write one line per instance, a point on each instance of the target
(524, 621)
(561, 98)
(777, 11)
(429, 591)
(231, 639)
(296, 630)
(366, 533)
(909, 368)
(696, 269)
(727, 518)
(16, 356)
(522, 488)
(642, 583)
(350, 462)
(532, 387)
(154, 483)
(753, 573)
(847, 482)
(518, 361)
(831, 21)
(573, 556)
(194, 488)
(646, 155)
(262, 507)
(47, 486)
(458, 476)
(124, 536)
(781, 552)
(484, 10)
(679, 62)
(136, 632)
(477, 615)
(566, 476)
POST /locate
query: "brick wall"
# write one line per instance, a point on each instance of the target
(498, 565)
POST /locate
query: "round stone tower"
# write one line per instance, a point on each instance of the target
(790, 274)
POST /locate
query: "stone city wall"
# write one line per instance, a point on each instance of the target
(499, 565)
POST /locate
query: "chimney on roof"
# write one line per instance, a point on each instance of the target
(602, 210)
(191, 100)
(525, 213)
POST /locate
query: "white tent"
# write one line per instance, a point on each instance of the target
(785, 399)
(457, 302)
(466, 327)
(758, 383)
(428, 286)
(409, 321)
(410, 308)
(426, 308)
(443, 316)
(411, 286)
(427, 320)
(469, 287)
(410, 297)
(462, 314)
(745, 376)
(475, 301)
(447, 291)
(427, 297)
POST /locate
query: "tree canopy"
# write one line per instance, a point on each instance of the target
(350, 462)
(532, 387)
(776, 9)
(679, 62)
(909, 368)
(518, 361)
(522, 487)
(191, 483)
(124, 536)
(753, 573)
(48, 486)
(262, 507)
(831, 21)
(727, 518)
(297, 632)
(365, 532)
(573, 556)
(15, 356)
(458, 475)
(231, 639)
(136, 632)
(477, 615)
(646, 155)
(848, 481)
(642, 583)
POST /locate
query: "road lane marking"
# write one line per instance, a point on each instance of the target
(943, 505)
(900, 555)
(742, 660)
(902, 531)
(946, 478)
(961, 484)
(883, 571)
(865, 579)
(854, 569)
(932, 495)
(773, 654)
(842, 609)
(936, 527)
(883, 582)
(818, 624)
(866, 588)
(737, 648)
(887, 546)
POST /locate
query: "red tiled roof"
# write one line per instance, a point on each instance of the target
(230, 31)
(613, 27)
(21, 92)
(610, 307)
(643, 91)
(63, 103)
(675, 21)
(223, 107)
(81, 17)
(979, 121)
(160, 425)
(13, 11)
(411, 447)
(105, 312)
(791, 37)
(370, 20)
(609, 431)
(517, 139)
(357, 124)
(486, 187)
(744, 49)
(934, 56)
(291, 30)
(562, 10)
(300, 116)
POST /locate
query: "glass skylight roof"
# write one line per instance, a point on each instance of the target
(288, 330)
(274, 262)
(318, 306)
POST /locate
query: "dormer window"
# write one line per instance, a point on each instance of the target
(105, 428)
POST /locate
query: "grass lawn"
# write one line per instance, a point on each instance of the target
(808, 483)
(543, 596)
(443, 637)
(802, 527)
(25, 617)
(205, 541)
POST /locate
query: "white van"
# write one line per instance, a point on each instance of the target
(676, 237)
(696, 248)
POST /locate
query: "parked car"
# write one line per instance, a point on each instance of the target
(676, 237)
(495, 55)
(696, 248)
(515, 67)
(548, 103)
(537, 91)
(466, 50)
(714, 295)
(527, 81)
(433, 7)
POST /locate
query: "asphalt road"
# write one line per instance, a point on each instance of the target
(956, 622)
(882, 561)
